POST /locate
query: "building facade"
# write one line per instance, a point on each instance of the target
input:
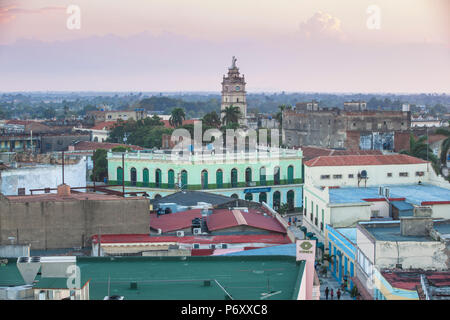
(335, 128)
(272, 176)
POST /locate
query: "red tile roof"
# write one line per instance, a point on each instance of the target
(241, 238)
(174, 221)
(224, 219)
(90, 145)
(168, 125)
(220, 219)
(105, 125)
(311, 152)
(360, 160)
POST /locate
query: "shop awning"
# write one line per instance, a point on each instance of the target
(313, 238)
(303, 228)
(320, 245)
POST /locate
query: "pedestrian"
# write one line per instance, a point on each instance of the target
(338, 293)
(326, 292)
(331, 294)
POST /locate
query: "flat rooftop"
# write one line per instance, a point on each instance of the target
(390, 231)
(414, 194)
(182, 278)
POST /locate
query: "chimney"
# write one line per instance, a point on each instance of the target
(419, 225)
(63, 190)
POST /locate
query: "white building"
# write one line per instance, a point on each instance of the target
(343, 190)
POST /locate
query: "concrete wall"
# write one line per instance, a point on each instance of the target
(14, 251)
(414, 254)
(67, 224)
(42, 176)
(347, 216)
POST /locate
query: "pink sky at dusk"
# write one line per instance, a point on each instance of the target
(186, 45)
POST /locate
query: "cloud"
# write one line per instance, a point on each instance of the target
(322, 26)
(7, 14)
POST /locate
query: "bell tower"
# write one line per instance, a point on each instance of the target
(233, 91)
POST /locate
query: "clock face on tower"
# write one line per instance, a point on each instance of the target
(238, 88)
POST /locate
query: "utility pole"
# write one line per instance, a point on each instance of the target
(63, 167)
(123, 175)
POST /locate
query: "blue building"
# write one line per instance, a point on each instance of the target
(342, 247)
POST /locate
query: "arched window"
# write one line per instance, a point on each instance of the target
(157, 196)
(119, 175)
(263, 197)
(276, 175)
(204, 179)
(170, 179)
(184, 179)
(290, 174)
(276, 200)
(248, 176)
(234, 178)
(249, 196)
(133, 176)
(235, 196)
(145, 177)
(262, 176)
(158, 178)
(219, 178)
(291, 200)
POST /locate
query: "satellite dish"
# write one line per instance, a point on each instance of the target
(363, 174)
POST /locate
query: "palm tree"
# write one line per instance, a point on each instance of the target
(279, 114)
(211, 119)
(177, 116)
(420, 149)
(445, 145)
(231, 114)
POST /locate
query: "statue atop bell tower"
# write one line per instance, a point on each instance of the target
(233, 91)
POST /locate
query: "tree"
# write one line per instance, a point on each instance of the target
(279, 114)
(445, 145)
(211, 119)
(177, 117)
(420, 149)
(231, 114)
(101, 165)
(283, 209)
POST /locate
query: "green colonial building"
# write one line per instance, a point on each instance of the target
(271, 175)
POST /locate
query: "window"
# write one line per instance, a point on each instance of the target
(212, 246)
(158, 178)
(276, 176)
(389, 174)
(290, 174)
(350, 176)
(403, 174)
(419, 173)
(337, 176)
(204, 179)
(219, 178)
(325, 176)
(196, 246)
(171, 179)
(262, 176)
(224, 246)
(234, 178)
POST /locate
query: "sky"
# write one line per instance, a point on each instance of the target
(400, 46)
